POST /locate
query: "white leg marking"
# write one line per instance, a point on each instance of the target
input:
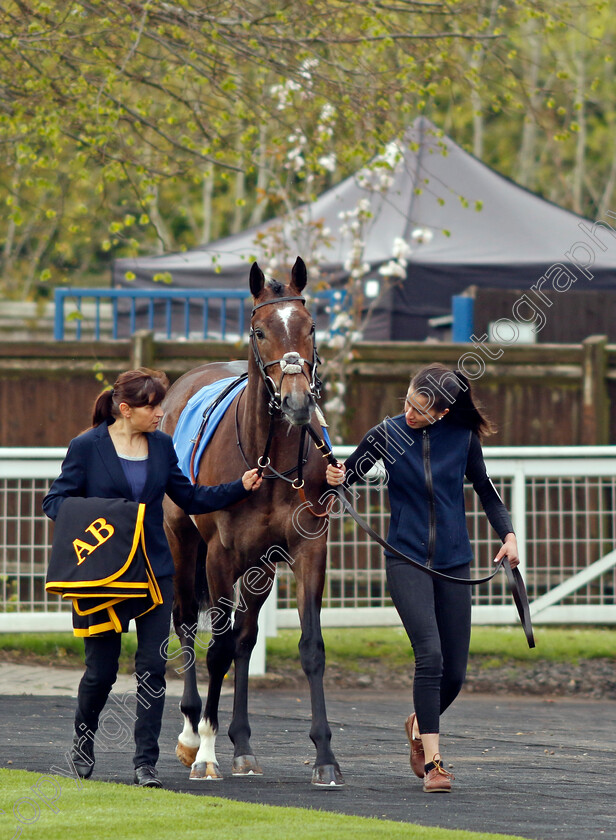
(207, 748)
(188, 736)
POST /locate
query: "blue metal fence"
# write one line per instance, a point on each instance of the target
(143, 307)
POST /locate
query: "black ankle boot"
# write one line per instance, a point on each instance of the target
(82, 755)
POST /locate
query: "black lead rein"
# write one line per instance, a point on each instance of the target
(514, 578)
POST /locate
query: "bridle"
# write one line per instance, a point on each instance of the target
(290, 363)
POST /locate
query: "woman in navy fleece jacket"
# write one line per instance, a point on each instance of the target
(427, 451)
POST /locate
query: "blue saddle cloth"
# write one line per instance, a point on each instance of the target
(191, 418)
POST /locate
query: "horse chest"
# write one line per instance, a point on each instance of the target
(253, 531)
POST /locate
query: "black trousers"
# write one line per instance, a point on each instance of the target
(101, 658)
(437, 618)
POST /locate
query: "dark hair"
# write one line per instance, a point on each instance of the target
(451, 389)
(134, 387)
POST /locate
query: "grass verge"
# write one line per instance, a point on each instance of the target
(354, 649)
(103, 809)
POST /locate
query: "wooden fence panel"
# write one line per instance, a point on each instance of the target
(537, 394)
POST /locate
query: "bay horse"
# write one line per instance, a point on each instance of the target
(263, 426)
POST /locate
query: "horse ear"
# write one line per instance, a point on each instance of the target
(299, 275)
(257, 280)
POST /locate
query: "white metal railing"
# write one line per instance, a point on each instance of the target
(563, 505)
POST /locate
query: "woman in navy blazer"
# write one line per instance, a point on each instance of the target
(124, 456)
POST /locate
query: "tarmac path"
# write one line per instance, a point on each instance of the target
(536, 768)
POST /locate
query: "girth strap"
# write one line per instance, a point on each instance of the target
(207, 411)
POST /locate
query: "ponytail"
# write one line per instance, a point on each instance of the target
(467, 412)
(103, 408)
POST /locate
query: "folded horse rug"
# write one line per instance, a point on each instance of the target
(99, 561)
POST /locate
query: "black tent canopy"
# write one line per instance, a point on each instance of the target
(465, 224)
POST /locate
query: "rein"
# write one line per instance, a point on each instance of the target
(514, 578)
(264, 462)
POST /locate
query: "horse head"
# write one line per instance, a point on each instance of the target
(282, 336)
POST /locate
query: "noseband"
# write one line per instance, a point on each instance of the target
(290, 363)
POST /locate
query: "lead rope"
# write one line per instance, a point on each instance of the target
(515, 580)
(320, 444)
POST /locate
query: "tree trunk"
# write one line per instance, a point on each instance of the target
(527, 156)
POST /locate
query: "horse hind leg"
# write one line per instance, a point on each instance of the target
(189, 589)
(205, 767)
(196, 747)
(197, 740)
(190, 704)
(219, 659)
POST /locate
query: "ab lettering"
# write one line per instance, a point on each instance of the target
(101, 530)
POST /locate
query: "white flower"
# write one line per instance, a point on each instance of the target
(401, 248)
(359, 271)
(392, 269)
(392, 154)
(308, 65)
(328, 162)
(328, 112)
(422, 235)
(342, 321)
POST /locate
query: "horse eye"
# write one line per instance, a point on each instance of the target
(313, 329)
(259, 333)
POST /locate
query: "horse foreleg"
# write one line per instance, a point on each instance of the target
(245, 631)
(326, 771)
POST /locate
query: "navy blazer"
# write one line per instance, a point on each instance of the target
(92, 468)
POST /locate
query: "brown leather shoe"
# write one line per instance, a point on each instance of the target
(438, 780)
(417, 758)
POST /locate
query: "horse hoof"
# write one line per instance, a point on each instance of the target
(205, 771)
(246, 765)
(327, 776)
(187, 755)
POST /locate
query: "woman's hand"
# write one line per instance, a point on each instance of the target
(252, 480)
(509, 549)
(335, 475)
